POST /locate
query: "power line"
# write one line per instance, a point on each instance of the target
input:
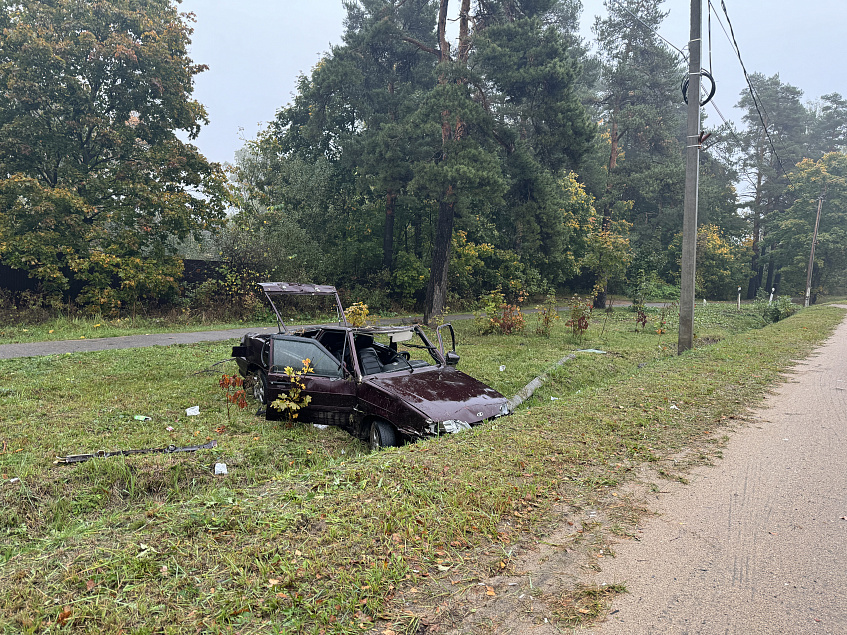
(654, 31)
(734, 42)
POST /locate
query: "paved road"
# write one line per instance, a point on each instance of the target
(758, 543)
(33, 349)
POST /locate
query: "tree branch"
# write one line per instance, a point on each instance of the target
(421, 45)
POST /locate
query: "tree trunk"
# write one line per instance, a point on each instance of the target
(756, 280)
(436, 290)
(388, 231)
(600, 298)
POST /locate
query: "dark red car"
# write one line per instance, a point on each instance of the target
(383, 384)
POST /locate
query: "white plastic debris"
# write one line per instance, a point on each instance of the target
(554, 398)
(141, 418)
(674, 407)
(220, 469)
(193, 411)
(502, 368)
(170, 428)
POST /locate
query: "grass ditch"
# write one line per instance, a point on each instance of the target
(309, 532)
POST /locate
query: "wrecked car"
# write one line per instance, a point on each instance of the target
(383, 384)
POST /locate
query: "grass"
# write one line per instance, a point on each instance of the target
(308, 532)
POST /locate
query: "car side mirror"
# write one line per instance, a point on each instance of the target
(452, 358)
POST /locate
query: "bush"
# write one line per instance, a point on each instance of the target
(498, 316)
(779, 309)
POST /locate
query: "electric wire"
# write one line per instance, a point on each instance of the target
(753, 95)
(654, 31)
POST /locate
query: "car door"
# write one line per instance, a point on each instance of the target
(333, 395)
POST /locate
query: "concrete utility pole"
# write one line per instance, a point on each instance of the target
(812, 255)
(692, 176)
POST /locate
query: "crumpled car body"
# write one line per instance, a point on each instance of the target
(383, 384)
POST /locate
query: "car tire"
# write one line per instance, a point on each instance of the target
(260, 387)
(382, 435)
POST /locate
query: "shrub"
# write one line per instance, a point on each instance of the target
(546, 315)
(580, 316)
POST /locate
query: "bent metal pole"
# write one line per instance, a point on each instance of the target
(692, 170)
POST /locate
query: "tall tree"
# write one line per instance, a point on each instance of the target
(792, 230)
(94, 180)
(643, 124)
(773, 141)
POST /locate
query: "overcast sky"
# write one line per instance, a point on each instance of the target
(255, 50)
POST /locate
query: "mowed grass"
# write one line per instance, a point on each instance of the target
(309, 532)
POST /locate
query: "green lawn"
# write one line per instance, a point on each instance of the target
(308, 531)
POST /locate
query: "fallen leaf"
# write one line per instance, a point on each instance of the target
(89, 585)
(489, 591)
(64, 615)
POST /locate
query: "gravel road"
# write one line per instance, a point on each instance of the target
(755, 544)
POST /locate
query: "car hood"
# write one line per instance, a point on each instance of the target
(443, 394)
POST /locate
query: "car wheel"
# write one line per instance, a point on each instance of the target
(260, 387)
(382, 435)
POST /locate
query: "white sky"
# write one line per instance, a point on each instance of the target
(256, 48)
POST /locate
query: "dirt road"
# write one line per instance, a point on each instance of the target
(757, 543)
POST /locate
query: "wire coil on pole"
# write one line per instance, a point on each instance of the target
(703, 73)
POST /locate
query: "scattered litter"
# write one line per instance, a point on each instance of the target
(521, 596)
(785, 439)
(220, 469)
(319, 426)
(170, 428)
(192, 411)
(674, 407)
(502, 368)
(554, 398)
(14, 480)
(592, 350)
(141, 418)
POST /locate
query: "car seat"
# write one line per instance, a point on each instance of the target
(369, 361)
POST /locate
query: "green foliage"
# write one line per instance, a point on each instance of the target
(648, 287)
(608, 251)
(722, 264)
(409, 277)
(773, 311)
(546, 315)
(791, 236)
(95, 183)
